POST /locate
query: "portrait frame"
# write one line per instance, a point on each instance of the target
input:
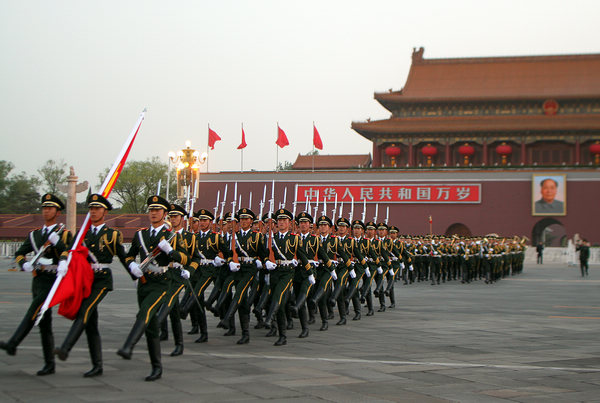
(539, 207)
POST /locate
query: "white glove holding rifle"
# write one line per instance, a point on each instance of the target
(185, 274)
(165, 246)
(218, 262)
(233, 266)
(134, 268)
(53, 238)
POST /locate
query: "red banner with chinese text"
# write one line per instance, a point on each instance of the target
(456, 193)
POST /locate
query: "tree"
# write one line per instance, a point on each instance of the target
(137, 182)
(284, 166)
(18, 193)
(53, 173)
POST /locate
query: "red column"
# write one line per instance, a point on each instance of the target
(447, 154)
(485, 153)
(376, 156)
(411, 161)
(523, 153)
(577, 152)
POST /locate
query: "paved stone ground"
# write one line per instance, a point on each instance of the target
(528, 338)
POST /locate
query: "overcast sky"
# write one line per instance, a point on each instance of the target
(76, 74)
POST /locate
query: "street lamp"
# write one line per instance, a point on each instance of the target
(187, 163)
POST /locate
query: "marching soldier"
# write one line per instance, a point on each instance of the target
(103, 244)
(153, 280)
(179, 274)
(357, 264)
(44, 273)
(209, 245)
(290, 256)
(251, 252)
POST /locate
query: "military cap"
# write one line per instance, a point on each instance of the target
(204, 214)
(371, 225)
(49, 200)
(382, 225)
(304, 216)
(324, 220)
(343, 222)
(157, 202)
(266, 217)
(283, 213)
(393, 228)
(227, 216)
(97, 200)
(246, 213)
(178, 210)
(358, 224)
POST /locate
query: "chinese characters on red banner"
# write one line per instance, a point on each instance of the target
(421, 193)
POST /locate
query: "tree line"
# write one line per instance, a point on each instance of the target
(20, 193)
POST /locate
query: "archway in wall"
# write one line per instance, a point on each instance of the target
(549, 231)
(458, 229)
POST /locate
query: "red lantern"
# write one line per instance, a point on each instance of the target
(429, 151)
(466, 151)
(595, 150)
(393, 151)
(504, 150)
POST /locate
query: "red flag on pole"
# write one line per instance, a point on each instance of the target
(430, 220)
(282, 139)
(213, 137)
(317, 138)
(243, 143)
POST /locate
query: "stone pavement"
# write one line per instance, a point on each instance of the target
(533, 337)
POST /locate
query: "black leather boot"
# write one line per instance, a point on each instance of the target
(272, 330)
(177, 337)
(95, 347)
(281, 325)
(11, 345)
(303, 317)
(48, 350)
(164, 328)
(245, 325)
(324, 326)
(72, 337)
(231, 327)
(203, 326)
(154, 352)
(134, 336)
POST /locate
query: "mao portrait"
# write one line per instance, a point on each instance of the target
(549, 194)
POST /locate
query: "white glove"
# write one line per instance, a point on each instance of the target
(258, 264)
(53, 238)
(267, 279)
(134, 268)
(233, 266)
(311, 279)
(367, 272)
(28, 267)
(391, 272)
(62, 268)
(352, 273)
(294, 262)
(44, 261)
(165, 247)
(185, 274)
(218, 262)
(333, 274)
(270, 265)
(402, 265)
(411, 268)
(379, 270)
(314, 262)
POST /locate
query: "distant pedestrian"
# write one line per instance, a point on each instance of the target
(540, 253)
(584, 255)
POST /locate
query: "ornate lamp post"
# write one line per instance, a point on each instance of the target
(187, 163)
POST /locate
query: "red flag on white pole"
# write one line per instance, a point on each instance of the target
(317, 142)
(213, 137)
(243, 143)
(282, 139)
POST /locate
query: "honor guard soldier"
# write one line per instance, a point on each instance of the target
(179, 275)
(344, 270)
(209, 245)
(289, 256)
(55, 241)
(357, 268)
(103, 244)
(305, 279)
(154, 280)
(249, 249)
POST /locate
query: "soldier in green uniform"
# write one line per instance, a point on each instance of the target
(289, 256)
(250, 253)
(357, 267)
(345, 272)
(179, 274)
(103, 244)
(209, 245)
(373, 262)
(304, 280)
(385, 263)
(44, 274)
(153, 281)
